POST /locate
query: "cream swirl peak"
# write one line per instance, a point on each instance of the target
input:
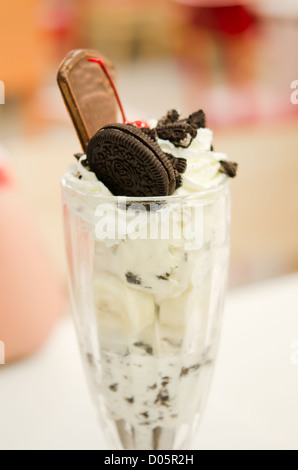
(204, 166)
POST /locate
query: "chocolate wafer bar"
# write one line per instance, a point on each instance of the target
(87, 93)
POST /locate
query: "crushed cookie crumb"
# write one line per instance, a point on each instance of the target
(186, 370)
(133, 279)
(229, 168)
(162, 399)
(130, 400)
(164, 277)
(113, 387)
(152, 387)
(146, 347)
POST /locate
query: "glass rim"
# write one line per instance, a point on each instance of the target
(201, 193)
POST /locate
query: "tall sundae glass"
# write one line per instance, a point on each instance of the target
(148, 310)
(147, 224)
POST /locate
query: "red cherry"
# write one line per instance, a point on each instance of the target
(139, 124)
(100, 62)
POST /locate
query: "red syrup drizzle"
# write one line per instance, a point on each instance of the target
(100, 62)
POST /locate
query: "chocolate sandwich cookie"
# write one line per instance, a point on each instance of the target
(132, 164)
(87, 93)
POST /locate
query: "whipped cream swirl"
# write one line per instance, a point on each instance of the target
(203, 166)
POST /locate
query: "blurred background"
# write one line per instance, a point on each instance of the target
(234, 59)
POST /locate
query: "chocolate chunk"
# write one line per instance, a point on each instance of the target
(87, 93)
(133, 279)
(229, 168)
(145, 414)
(130, 163)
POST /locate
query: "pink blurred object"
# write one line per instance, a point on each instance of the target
(30, 295)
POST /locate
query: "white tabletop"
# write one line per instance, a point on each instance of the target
(44, 402)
